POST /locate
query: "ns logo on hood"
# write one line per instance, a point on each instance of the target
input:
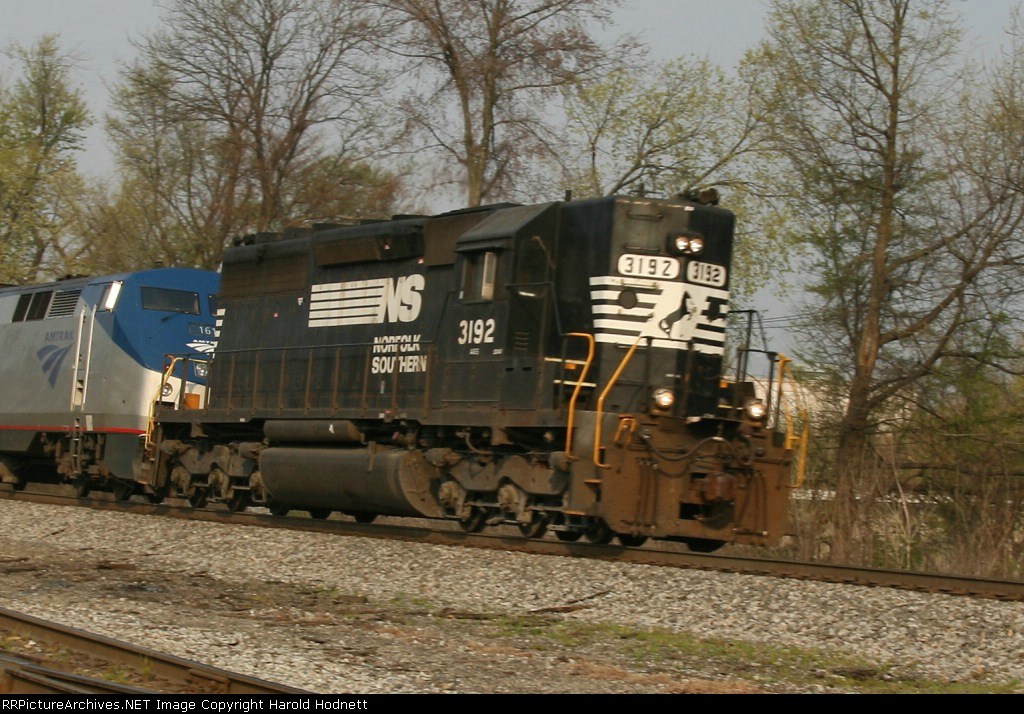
(51, 358)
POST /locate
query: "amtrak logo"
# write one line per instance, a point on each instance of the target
(51, 358)
(204, 347)
(366, 302)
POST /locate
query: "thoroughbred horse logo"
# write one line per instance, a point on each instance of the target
(687, 312)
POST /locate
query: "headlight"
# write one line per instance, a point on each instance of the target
(756, 409)
(664, 398)
(686, 244)
(202, 369)
(167, 390)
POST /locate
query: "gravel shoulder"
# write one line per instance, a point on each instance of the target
(354, 615)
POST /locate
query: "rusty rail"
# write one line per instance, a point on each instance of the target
(666, 555)
(25, 677)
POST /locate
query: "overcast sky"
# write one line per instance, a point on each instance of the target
(98, 32)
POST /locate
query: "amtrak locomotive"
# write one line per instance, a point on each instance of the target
(558, 366)
(83, 364)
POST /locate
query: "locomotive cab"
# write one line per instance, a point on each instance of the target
(501, 313)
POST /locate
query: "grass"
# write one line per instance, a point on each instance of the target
(117, 674)
(760, 664)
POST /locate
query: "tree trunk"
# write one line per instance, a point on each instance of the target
(851, 460)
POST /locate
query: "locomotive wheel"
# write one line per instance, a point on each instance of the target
(631, 541)
(320, 514)
(536, 527)
(122, 490)
(81, 486)
(560, 519)
(238, 501)
(598, 532)
(475, 521)
(9, 478)
(363, 517)
(277, 508)
(197, 499)
(703, 545)
(155, 497)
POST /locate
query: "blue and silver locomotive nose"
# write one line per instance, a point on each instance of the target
(85, 359)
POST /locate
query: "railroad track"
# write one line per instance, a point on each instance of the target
(158, 671)
(1010, 590)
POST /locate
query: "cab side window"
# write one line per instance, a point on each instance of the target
(32, 306)
(479, 276)
(531, 268)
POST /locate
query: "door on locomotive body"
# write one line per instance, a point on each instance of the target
(533, 325)
(473, 336)
(498, 322)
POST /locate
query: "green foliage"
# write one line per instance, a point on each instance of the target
(687, 125)
(669, 131)
(910, 230)
(42, 119)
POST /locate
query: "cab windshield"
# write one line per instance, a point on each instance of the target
(166, 300)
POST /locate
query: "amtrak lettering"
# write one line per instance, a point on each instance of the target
(60, 336)
(366, 302)
(51, 357)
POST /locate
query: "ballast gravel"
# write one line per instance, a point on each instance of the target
(334, 614)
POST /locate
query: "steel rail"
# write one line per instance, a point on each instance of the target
(159, 665)
(662, 556)
(22, 676)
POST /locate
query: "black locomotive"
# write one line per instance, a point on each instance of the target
(555, 366)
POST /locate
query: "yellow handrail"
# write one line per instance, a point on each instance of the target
(576, 392)
(628, 426)
(151, 422)
(794, 439)
(600, 403)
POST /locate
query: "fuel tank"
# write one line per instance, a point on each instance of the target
(387, 481)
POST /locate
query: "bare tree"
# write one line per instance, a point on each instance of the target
(484, 74)
(42, 120)
(909, 212)
(186, 188)
(234, 109)
(182, 191)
